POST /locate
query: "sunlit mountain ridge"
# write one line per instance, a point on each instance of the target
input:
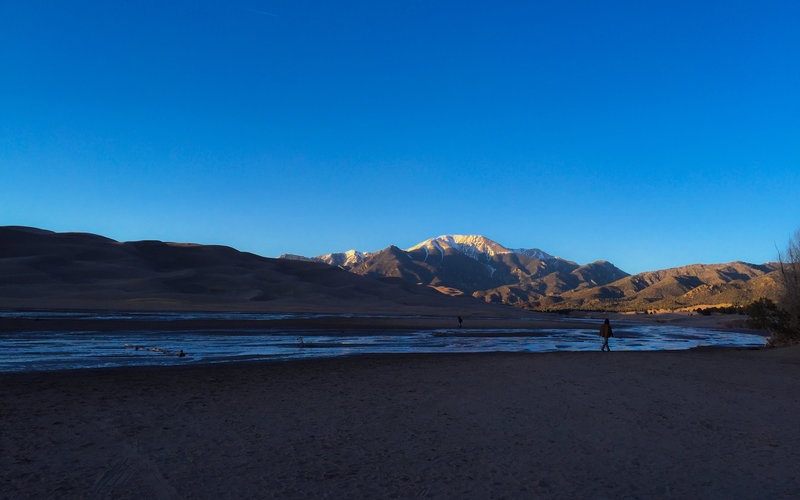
(478, 266)
(532, 278)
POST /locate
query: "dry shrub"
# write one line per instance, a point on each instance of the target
(788, 332)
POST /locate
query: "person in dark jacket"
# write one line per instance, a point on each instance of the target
(605, 332)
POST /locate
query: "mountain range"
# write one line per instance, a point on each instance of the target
(44, 269)
(531, 278)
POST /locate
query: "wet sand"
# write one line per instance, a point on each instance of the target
(702, 423)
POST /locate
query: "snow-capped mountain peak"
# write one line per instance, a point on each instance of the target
(470, 244)
(473, 245)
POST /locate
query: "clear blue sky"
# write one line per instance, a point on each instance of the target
(651, 134)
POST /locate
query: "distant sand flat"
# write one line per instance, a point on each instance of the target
(709, 423)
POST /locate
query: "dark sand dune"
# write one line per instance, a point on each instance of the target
(46, 270)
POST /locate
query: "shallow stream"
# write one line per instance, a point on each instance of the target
(56, 350)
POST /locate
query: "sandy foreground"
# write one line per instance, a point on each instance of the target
(702, 423)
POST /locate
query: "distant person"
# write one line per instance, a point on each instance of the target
(605, 332)
(460, 321)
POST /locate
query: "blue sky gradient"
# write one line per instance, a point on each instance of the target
(650, 134)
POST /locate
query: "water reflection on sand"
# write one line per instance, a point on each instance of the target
(53, 350)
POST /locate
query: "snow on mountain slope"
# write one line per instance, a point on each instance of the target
(535, 253)
(348, 258)
(474, 246)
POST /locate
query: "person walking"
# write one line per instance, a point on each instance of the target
(605, 332)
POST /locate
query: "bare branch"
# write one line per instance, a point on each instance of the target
(789, 302)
